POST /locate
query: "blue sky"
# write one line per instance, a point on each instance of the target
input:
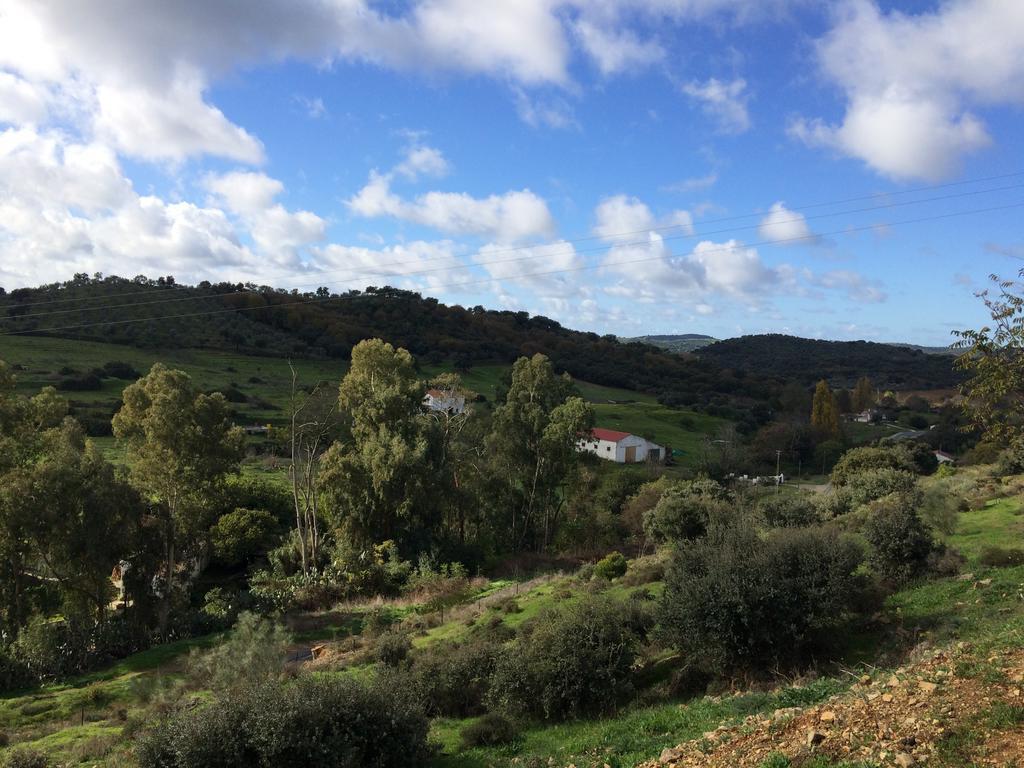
(623, 166)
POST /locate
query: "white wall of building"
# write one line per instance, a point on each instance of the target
(620, 452)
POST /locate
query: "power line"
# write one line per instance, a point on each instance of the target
(463, 284)
(366, 275)
(614, 235)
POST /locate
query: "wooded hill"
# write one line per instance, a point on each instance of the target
(791, 358)
(161, 314)
(680, 343)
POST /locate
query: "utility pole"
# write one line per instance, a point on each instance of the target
(778, 469)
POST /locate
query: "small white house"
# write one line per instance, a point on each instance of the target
(944, 458)
(621, 447)
(444, 402)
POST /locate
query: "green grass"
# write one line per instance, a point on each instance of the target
(634, 735)
(42, 358)
(1000, 523)
(678, 429)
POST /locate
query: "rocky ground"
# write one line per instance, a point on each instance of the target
(955, 707)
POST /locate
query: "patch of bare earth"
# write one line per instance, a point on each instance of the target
(950, 707)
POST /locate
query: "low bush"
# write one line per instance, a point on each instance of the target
(392, 648)
(743, 603)
(573, 660)
(901, 543)
(254, 652)
(491, 730)
(644, 571)
(915, 458)
(788, 511)
(684, 510)
(87, 382)
(115, 369)
(26, 758)
(453, 680)
(313, 722)
(14, 672)
(945, 561)
(1001, 557)
(611, 566)
(507, 604)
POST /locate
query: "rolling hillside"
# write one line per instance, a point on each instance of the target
(263, 321)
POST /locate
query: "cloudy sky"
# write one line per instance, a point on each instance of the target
(846, 169)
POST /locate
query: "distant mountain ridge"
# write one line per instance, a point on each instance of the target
(690, 342)
(889, 366)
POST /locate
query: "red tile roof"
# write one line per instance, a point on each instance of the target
(611, 435)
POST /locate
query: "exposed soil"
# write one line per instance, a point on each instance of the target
(948, 708)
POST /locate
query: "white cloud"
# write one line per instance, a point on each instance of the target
(276, 232)
(417, 265)
(67, 207)
(854, 285)
(21, 101)
(726, 102)
(172, 125)
(527, 267)
(694, 184)
(785, 226)
(912, 81)
(622, 219)
(616, 50)
(314, 107)
(544, 111)
(422, 161)
(512, 216)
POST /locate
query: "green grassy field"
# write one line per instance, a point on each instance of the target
(265, 381)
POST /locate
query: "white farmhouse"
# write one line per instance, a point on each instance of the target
(445, 402)
(621, 447)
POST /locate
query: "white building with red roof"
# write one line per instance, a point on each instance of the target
(620, 447)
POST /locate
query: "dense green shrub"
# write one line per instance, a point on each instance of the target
(1001, 557)
(784, 510)
(901, 543)
(313, 722)
(644, 571)
(867, 486)
(611, 566)
(741, 602)
(54, 649)
(242, 534)
(115, 369)
(903, 457)
(684, 510)
(573, 660)
(872, 484)
(453, 680)
(26, 758)
(392, 648)
(14, 672)
(490, 730)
